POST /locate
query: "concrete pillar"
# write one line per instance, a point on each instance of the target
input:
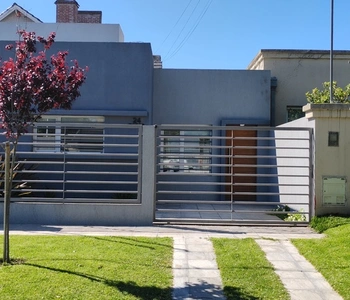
(331, 157)
(148, 177)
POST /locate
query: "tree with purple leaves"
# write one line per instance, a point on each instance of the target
(30, 85)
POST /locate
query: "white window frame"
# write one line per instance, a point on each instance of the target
(54, 139)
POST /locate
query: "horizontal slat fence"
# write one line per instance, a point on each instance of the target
(78, 162)
(233, 174)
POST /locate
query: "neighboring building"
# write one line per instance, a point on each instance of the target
(68, 12)
(17, 13)
(297, 72)
(71, 24)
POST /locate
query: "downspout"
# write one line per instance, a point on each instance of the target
(273, 101)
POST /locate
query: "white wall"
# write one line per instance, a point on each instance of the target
(66, 32)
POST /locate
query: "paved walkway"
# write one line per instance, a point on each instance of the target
(196, 275)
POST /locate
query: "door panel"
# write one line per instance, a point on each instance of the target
(238, 146)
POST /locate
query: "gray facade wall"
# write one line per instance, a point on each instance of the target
(210, 96)
(119, 80)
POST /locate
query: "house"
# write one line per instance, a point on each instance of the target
(125, 81)
(297, 72)
(190, 119)
(71, 24)
(271, 91)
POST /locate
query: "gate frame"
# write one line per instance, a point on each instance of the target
(310, 167)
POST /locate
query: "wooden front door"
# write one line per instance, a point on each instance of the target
(241, 151)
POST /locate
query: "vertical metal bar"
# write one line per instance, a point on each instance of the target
(64, 164)
(7, 200)
(311, 174)
(231, 153)
(331, 56)
(157, 141)
(139, 163)
(155, 185)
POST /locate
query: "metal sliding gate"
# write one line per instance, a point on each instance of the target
(234, 175)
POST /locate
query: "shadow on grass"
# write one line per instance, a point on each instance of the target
(131, 288)
(129, 241)
(234, 293)
(13, 261)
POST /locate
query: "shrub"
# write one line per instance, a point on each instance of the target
(19, 178)
(340, 95)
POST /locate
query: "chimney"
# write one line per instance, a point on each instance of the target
(66, 11)
(157, 62)
(89, 16)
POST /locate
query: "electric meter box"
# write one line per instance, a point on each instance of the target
(334, 191)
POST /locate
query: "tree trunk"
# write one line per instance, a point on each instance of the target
(7, 199)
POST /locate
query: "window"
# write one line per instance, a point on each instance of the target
(294, 112)
(186, 151)
(333, 139)
(70, 134)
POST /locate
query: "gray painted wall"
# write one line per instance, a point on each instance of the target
(210, 96)
(119, 80)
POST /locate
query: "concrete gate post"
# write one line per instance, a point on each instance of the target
(331, 157)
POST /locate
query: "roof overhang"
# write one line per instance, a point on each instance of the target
(19, 11)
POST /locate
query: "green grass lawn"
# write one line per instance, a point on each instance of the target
(331, 255)
(87, 267)
(245, 272)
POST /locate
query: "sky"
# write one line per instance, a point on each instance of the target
(215, 34)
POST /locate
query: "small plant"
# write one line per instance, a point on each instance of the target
(288, 216)
(281, 208)
(19, 178)
(295, 217)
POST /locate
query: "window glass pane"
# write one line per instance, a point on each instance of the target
(75, 138)
(172, 138)
(82, 119)
(84, 139)
(189, 150)
(45, 139)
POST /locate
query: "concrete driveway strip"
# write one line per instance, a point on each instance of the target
(299, 277)
(196, 274)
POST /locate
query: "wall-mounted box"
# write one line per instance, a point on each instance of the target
(334, 191)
